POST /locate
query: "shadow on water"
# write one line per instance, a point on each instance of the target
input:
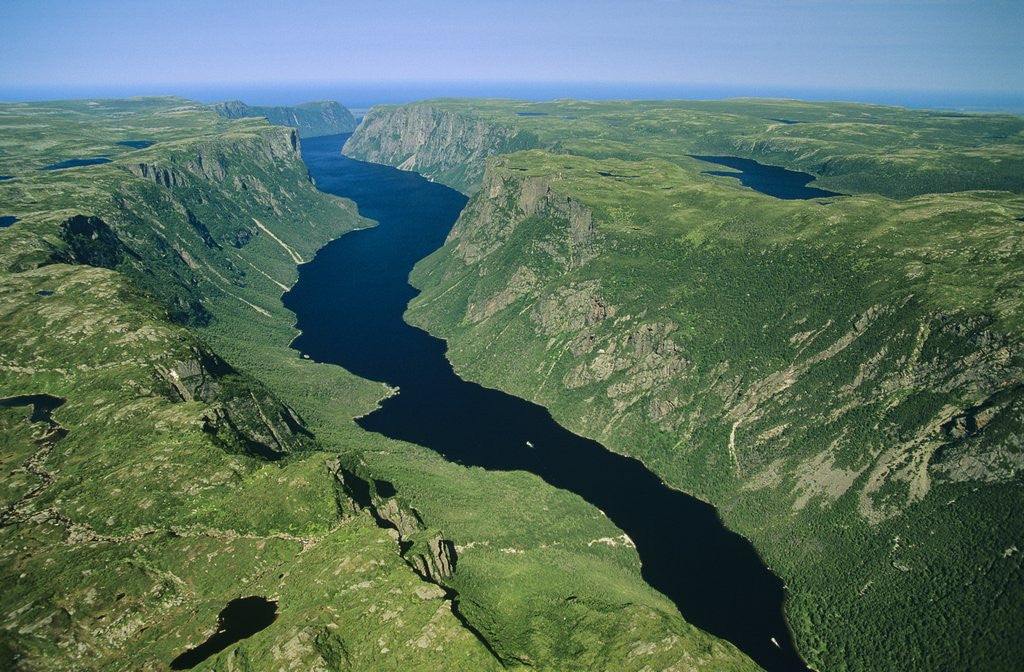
(349, 303)
(74, 163)
(769, 180)
(241, 618)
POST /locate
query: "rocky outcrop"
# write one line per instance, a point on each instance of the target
(243, 417)
(257, 424)
(322, 117)
(506, 200)
(92, 241)
(446, 146)
(431, 555)
(438, 562)
(196, 378)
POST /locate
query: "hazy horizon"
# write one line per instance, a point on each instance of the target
(919, 53)
(361, 95)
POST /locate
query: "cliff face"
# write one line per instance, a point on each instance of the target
(184, 229)
(445, 146)
(158, 486)
(782, 360)
(324, 117)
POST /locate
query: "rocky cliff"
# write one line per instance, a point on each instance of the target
(787, 362)
(165, 479)
(446, 146)
(323, 117)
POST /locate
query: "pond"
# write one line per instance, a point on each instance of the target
(770, 180)
(242, 617)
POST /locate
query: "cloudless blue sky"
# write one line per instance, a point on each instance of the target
(938, 45)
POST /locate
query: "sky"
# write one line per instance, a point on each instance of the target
(948, 46)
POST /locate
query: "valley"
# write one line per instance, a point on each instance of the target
(810, 367)
(724, 385)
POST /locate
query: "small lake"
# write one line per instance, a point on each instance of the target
(7, 220)
(349, 301)
(43, 405)
(74, 163)
(136, 144)
(241, 618)
(769, 180)
(6, 177)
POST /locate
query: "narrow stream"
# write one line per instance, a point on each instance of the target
(349, 303)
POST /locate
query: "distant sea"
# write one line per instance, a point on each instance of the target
(362, 95)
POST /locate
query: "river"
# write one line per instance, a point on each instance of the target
(349, 302)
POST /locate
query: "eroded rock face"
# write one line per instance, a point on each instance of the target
(406, 521)
(431, 555)
(325, 117)
(196, 378)
(437, 563)
(506, 201)
(442, 145)
(165, 177)
(259, 425)
(244, 417)
(572, 309)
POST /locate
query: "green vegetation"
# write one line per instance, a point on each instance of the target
(205, 460)
(324, 117)
(841, 377)
(851, 148)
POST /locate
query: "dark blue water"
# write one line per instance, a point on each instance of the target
(74, 163)
(136, 144)
(6, 177)
(241, 618)
(770, 180)
(349, 303)
(7, 220)
(43, 405)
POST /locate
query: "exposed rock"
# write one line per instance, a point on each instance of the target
(404, 520)
(258, 425)
(522, 283)
(571, 309)
(244, 417)
(164, 176)
(438, 562)
(196, 378)
(506, 201)
(323, 117)
(442, 145)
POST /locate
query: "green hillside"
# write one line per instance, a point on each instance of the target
(841, 377)
(849, 147)
(192, 457)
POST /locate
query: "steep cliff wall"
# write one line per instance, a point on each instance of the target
(323, 117)
(785, 361)
(167, 479)
(446, 146)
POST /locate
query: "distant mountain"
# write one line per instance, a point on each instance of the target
(322, 117)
